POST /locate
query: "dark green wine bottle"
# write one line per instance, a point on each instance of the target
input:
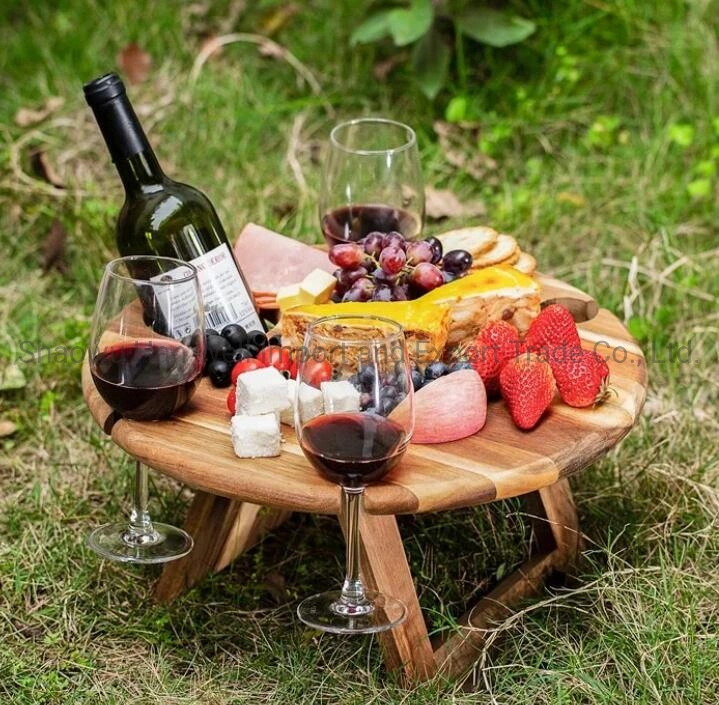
(164, 217)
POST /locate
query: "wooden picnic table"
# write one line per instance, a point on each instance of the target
(237, 501)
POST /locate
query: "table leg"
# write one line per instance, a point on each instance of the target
(555, 524)
(557, 536)
(385, 568)
(222, 529)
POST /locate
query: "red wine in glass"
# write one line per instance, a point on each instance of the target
(354, 222)
(145, 380)
(353, 449)
(145, 356)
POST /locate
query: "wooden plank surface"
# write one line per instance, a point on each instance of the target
(498, 462)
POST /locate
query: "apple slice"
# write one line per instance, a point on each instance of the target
(449, 408)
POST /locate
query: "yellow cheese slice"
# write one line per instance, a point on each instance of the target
(318, 285)
(291, 296)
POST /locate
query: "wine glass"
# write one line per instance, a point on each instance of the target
(354, 429)
(146, 354)
(371, 180)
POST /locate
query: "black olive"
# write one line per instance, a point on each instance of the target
(219, 373)
(235, 335)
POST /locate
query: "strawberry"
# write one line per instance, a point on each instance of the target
(527, 386)
(553, 326)
(496, 343)
(581, 376)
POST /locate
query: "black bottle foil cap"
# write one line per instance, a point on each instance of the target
(103, 89)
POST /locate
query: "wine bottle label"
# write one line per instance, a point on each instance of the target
(224, 294)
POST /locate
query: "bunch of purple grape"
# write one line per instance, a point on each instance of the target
(386, 267)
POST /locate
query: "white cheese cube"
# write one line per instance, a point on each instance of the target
(256, 436)
(340, 396)
(262, 391)
(287, 416)
(310, 402)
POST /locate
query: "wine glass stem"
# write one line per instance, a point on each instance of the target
(353, 592)
(140, 529)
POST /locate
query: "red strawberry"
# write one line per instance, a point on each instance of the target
(553, 326)
(496, 343)
(581, 376)
(527, 387)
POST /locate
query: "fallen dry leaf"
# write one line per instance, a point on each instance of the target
(134, 62)
(459, 146)
(575, 199)
(54, 249)
(25, 117)
(383, 68)
(7, 428)
(278, 18)
(43, 169)
(443, 203)
(275, 584)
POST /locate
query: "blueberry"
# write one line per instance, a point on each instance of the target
(365, 400)
(258, 338)
(218, 348)
(241, 354)
(235, 335)
(354, 380)
(417, 379)
(367, 378)
(386, 405)
(389, 393)
(388, 380)
(456, 366)
(211, 331)
(435, 371)
(219, 373)
(252, 349)
(275, 340)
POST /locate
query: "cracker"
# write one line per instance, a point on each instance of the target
(505, 251)
(526, 264)
(474, 240)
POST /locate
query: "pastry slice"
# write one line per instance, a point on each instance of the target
(450, 315)
(488, 294)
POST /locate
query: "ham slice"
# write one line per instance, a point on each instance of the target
(270, 260)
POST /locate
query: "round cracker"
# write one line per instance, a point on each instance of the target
(526, 264)
(474, 240)
(505, 251)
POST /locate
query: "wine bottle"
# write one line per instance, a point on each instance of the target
(163, 217)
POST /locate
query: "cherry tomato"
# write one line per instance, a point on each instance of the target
(245, 366)
(276, 356)
(315, 372)
(232, 401)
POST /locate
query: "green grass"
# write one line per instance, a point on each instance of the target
(601, 125)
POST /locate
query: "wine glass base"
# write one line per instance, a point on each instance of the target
(325, 612)
(168, 543)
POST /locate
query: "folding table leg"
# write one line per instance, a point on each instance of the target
(385, 568)
(555, 524)
(222, 529)
(557, 538)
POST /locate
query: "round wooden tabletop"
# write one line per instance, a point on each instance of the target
(498, 462)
